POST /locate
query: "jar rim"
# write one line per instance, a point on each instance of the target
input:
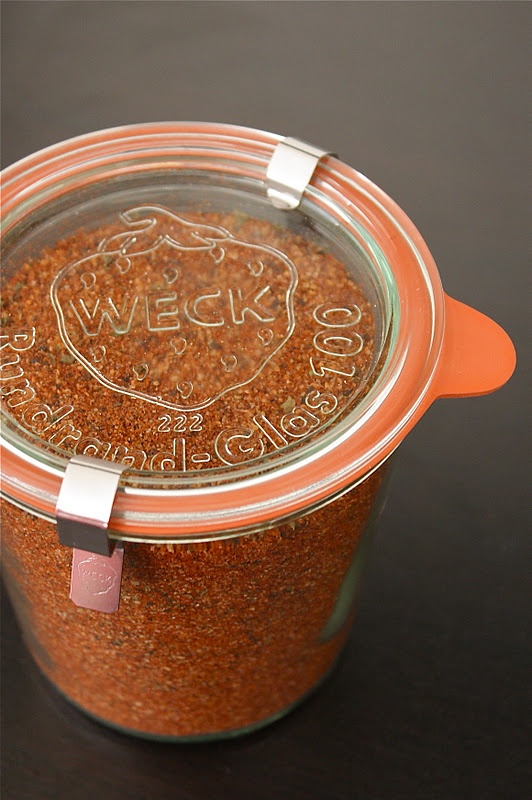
(339, 461)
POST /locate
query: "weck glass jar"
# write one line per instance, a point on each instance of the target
(213, 338)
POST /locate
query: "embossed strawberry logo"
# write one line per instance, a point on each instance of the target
(175, 312)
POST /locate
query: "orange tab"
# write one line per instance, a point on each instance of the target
(478, 355)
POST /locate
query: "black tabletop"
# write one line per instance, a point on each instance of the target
(429, 100)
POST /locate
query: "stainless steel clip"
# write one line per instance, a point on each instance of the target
(85, 501)
(289, 172)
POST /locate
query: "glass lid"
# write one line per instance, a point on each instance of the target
(159, 311)
(180, 326)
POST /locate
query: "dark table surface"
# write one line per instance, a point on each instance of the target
(429, 100)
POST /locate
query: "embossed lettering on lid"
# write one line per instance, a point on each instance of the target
(146, 319)
(184, 339)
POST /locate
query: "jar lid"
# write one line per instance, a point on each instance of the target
(242, 324)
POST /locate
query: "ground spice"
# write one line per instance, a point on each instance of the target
(209, 638)
(183, 344)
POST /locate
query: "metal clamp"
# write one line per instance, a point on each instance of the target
(289, 172)
(85, 501)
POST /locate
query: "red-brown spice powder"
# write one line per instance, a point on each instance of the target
(210, 637)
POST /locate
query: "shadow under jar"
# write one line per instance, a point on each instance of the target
(212, 341)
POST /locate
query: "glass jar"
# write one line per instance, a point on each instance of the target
(213, 339)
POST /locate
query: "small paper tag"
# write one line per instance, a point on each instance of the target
(95, 579)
